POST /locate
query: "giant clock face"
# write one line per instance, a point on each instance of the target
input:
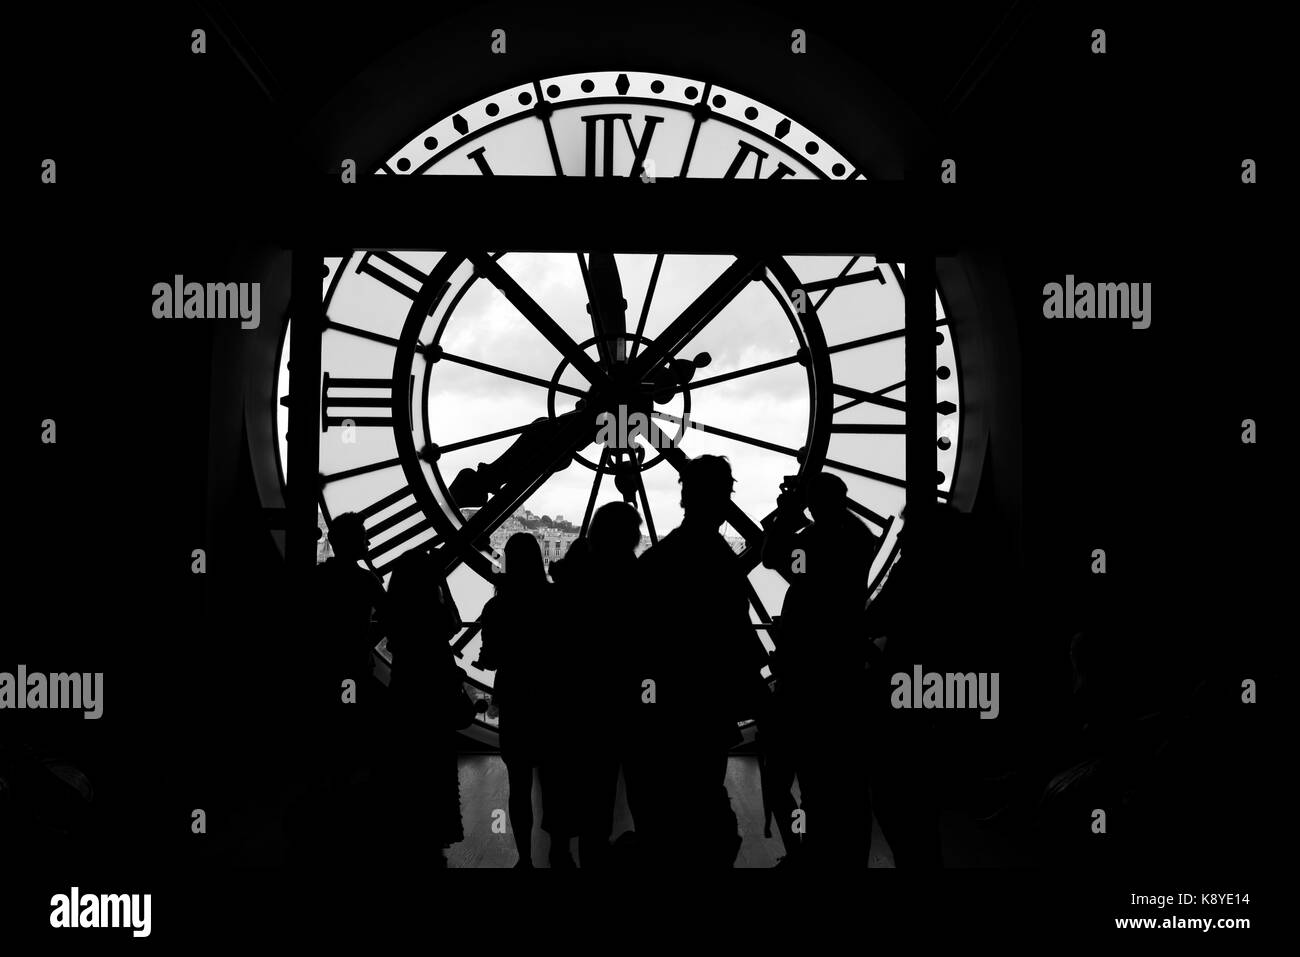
(435, 363)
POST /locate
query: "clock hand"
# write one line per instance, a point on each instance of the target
(540, 319)
(695, 316)
(550, 449)
(471, 487)
(607, 307)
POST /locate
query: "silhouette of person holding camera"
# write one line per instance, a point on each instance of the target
(821, 658)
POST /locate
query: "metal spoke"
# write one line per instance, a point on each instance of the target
(509, 374)
(866, 473)
(645, 305)
(361, 333)
(595, 490)
(645, 502)
(480, 440)
(735, 436)
(538, 317)
(696, 316)
(749, 370)
(825, 295)
(360, 470)
(750, 530)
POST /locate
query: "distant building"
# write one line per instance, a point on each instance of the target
(323, 550)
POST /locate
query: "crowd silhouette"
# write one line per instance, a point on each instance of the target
(662, 706)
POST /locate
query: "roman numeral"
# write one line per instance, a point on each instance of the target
(331, 400)
(480, 160)
(639, 148)
(846, 279)
(744, 152)
(369, 266)
(409, 508)
(873, 398)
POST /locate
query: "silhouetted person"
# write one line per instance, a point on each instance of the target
(821, 660)
(347, 604)
(347, 597)
(705, 662)
(421, 781)
(518, 622)
(905, 746)
(598, 586)
(346, 600)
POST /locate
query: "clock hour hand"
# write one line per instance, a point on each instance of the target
(471, 487)
(607, 308)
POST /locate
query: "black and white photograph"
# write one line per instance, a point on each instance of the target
(652, 439)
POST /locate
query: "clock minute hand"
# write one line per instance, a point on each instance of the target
(607, 307)
(487, 267)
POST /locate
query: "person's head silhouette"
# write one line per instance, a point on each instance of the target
(706, 490)
(827, 497)
(414, 581)
(523, 558)
(348, 537)
(615, 531)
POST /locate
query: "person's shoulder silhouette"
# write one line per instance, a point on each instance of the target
(346, 596)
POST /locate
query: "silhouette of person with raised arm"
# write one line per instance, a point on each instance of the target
(420, 780)
(518, 622)
(822, 654)
(704, 666)
(598, 585)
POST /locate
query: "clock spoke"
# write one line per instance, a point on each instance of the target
(645, 508)
(361, 333)
(627, 476)
(538, 317)
(595, 490)
(869, 514)
(360, 470)
(645, 305)
(870, 429)
(748, 370)
(696, 316)
(694, 423)
(440, 355)
(482, 439)
(749, 530)
(845, 278)
(867, 473)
